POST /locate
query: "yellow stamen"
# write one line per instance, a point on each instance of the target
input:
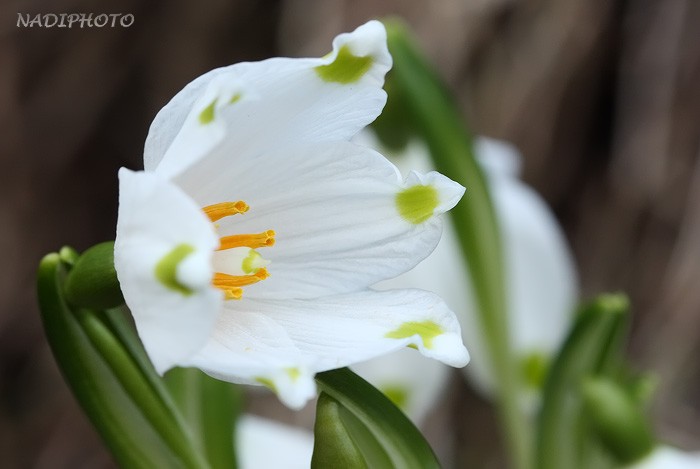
(224, 209)
(234, 293)
(232, 285)
(227, 282)
(253, 241)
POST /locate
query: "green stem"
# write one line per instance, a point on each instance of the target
(439, 121)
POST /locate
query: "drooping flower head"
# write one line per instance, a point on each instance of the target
(248, 245)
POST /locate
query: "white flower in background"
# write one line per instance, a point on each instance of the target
(267, 444)
(666, 457)
(411, 381)
(541, 285)
(248, 245)
(541, 280)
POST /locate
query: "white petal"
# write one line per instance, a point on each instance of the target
(666, 457)
(266, 444)
(289, 102)
(334, 209)
(340, 330)
(412, 381)
(203, 129)
(250, 348)
(175, 316)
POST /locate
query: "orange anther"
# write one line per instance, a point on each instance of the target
(224, 209)
(253, 241)
(226, 281)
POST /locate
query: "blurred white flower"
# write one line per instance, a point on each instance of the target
(541, 284)
(267, 444)
(666, 457)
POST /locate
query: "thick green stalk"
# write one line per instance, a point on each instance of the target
(439, 122)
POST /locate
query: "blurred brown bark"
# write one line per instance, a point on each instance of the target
(601, 97)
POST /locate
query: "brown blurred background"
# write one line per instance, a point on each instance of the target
(601, 97)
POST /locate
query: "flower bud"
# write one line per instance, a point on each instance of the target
(618, 420)
(92, 282)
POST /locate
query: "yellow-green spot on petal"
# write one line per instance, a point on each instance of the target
(207, 114)
(235, 98)
(346, 68)
(294, 373)
(417, 204)
(397, 394)
(166, 268)
(252, 262)
(534, 368)
(267, 382)
(427, 330)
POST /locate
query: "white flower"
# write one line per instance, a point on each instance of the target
(267, 444)
(666, 457)
(248, 245)
(541, 283)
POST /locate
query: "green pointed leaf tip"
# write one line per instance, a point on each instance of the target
(417, 204)
(166, 269)
(346, 68)
(613, 302)
(69, 256)
(92, 281)
(618, 420)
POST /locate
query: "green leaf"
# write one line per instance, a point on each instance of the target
(112, 388)
(211, 408)
(378, 431)
(334, 444)
(592, 348)
(435, 116)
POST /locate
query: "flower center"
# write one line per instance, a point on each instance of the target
(241, 254)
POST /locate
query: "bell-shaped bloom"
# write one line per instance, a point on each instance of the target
(541, 283)
(667, 457)
(247, 246)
